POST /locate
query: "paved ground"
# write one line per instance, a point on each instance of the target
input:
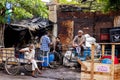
(60, 73)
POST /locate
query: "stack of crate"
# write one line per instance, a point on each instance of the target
(6, 53)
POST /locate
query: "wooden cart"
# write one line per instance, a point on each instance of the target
(95, 70)
(8, 60)
(11, 63)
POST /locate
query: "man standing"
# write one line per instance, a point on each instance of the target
(45, 43)
(58, 50)
(79, 42)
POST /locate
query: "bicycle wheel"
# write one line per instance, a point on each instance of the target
(28, 67)
(12, 66)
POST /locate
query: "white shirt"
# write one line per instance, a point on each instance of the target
(29, 55)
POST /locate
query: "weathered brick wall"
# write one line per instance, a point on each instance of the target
(90, 23)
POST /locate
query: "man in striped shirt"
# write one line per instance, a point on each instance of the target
(45, 43)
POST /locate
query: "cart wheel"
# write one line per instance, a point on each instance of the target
(12, 66)
(28, 67)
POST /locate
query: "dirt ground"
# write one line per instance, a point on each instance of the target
(60, 73)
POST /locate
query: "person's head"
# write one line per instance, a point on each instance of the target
(57, 38)
(45, 33)
(31, 46)
(80, 33)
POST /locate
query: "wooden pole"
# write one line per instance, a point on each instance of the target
(103, 49)
(82, 65)
(92, 61)
(113, 58)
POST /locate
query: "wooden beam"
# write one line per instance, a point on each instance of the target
(110, 43)
(82, 65)
(103, 49)
(113, 58)
(92, 61)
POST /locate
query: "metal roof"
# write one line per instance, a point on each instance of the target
(33, 24)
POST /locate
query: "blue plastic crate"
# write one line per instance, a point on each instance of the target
(21, 56)
(86, 53)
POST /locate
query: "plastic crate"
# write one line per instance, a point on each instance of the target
(115, 35)
(87, 52)
(21, 56)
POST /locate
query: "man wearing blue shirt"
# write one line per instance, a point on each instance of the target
(45, 43)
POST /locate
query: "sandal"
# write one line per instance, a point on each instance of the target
(34, 76)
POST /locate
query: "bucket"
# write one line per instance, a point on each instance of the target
(51, 57)
(46, 61)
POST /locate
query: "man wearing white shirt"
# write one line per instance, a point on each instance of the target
(29, 55)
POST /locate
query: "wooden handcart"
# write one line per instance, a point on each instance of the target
(11, 63)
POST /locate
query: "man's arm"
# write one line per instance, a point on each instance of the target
(40, 40)
(54, 46)
(83, 41)
(23, 50)
(49, 41)
(33, 54)
(73, 42)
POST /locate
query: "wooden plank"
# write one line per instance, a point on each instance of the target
(8, 49)
(85, 75)
(110, 43)
(103, 49)
(113, 56)
(98, 73)
(82, 64)
(98, 67)
(92, 63)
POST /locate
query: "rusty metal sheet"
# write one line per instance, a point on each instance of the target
(90, 23)
(66, 31)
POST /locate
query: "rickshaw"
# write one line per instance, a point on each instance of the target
(11, 62)
(70, 57)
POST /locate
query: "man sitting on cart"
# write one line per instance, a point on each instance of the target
(79, 43)
(29, 55)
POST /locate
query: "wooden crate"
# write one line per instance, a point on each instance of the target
(97, 76)
(97, 66)
(101, 71)
(117, 72)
